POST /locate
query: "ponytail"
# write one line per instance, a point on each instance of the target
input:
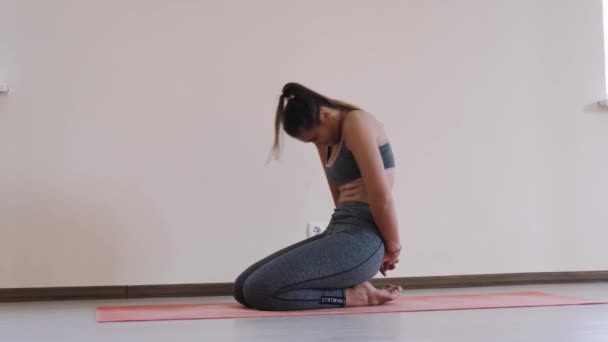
(277, 126)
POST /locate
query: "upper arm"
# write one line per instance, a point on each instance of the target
(361, 137)
(333, 187)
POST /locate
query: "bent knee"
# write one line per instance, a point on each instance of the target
(237, 291)
(259, 294)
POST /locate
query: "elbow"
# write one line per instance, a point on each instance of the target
(381, 200)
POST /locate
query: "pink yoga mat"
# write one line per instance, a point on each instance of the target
(402, 304)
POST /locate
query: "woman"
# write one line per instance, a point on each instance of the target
(333, 269)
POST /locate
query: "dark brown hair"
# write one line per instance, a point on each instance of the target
(298, 110)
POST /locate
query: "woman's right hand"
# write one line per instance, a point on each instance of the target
(391, 258)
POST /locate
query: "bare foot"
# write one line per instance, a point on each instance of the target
(366, 294)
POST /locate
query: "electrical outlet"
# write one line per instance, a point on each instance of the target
(315, 228)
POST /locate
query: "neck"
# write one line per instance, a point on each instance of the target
(339, 120)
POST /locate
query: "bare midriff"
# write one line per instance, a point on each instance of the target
(355, 191)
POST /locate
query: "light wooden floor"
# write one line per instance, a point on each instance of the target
(75, 321)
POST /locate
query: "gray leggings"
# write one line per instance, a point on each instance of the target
(314, 273)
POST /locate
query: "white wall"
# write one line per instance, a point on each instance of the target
(133, 142)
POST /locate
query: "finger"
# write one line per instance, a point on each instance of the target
(383, 271)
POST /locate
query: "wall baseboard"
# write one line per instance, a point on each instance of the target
(225, 289)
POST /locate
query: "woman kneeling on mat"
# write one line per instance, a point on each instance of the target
(333, 269)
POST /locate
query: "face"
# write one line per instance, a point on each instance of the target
(325, 133)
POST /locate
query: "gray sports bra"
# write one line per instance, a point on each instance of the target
(344, 168)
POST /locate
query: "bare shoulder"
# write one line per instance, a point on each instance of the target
(358, 116)
(360, 123)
